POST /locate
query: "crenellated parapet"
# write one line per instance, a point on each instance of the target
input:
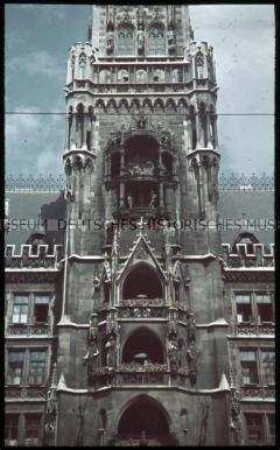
(43, 257)
(248, 256)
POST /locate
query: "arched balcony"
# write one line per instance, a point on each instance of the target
(143, 347)
(142, 282)
(140, 164)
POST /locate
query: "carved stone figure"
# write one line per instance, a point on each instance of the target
(192, 355)
(141, 42)
(111, 352)
(153, 199)
(129, 200)
(172, 351)
(110, 42)
(191, 329)
(93, 327)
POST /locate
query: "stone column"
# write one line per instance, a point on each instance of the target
(122, 186)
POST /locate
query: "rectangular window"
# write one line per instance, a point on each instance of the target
(264, 307)
(271, 429)
(37, 363)
(268, 366)
(15, 367)
(249, 367)
(41, 308)
(243, 308)
(11, 428)
(20, 310)
(254, 428)
(33, 427)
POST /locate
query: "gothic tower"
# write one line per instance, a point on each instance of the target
(141, 340)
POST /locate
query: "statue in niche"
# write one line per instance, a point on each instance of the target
(153, 199)
(156, 15)
(171, 39)
(111, 352)
(82, 65)
(141, 42)
(141, 121)
(93, 356)
(191, 329)
(192, 354)
(129, 200)
(110, 42)
(188, 129)
(165, 137)
(172, 352)
(93, 327)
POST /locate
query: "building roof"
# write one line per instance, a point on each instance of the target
(28, 209)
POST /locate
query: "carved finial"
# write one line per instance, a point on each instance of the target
(54, 376)
(115, 248)
(141, 224)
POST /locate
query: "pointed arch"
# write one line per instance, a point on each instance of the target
(125, 39)
(158, 105)
(144, 414)
(111, 105)
(142, 280)
(141, 76)
(147, 105)
(135, 105)
(156, 39)
(245, 237)
(171, 105)
(123, 105)
(182, 105)
(100, 105)
(145, 342)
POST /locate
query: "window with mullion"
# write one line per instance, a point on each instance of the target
(41, 308)
(156, 42)
(264, 307)
(249, 367)
(268, 366)
(33, 426)
(125, 42)
(11, 427)
(255, 428)
(244, 308)
(37, 367)
(20, 309)
(15, 367)
(270, 428)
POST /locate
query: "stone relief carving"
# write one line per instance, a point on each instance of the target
(141, 168)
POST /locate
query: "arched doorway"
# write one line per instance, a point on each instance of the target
(145, 422)
(142, 281)
(143, 341)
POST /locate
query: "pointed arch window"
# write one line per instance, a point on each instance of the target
(156, 41)
(125, 40)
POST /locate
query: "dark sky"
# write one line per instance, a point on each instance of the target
(37, 40)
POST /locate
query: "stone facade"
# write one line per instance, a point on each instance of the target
(147, 340)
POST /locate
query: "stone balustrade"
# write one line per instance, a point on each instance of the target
(23, 392)
(36, 329)
(257, 391)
